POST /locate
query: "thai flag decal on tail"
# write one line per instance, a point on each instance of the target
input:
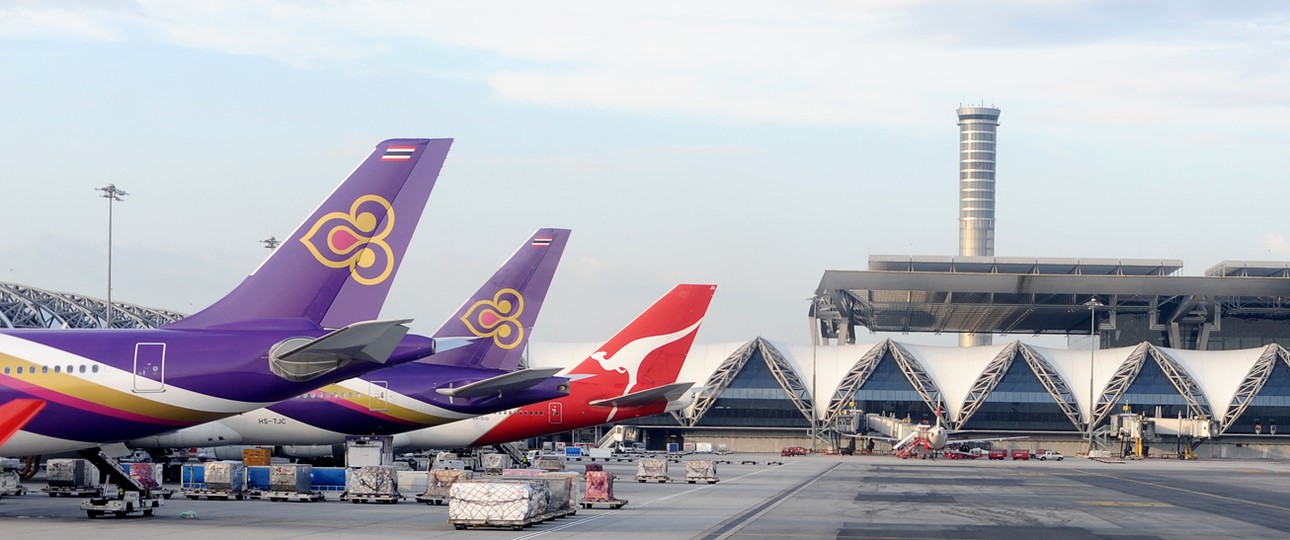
(542, 242)
(398, 153)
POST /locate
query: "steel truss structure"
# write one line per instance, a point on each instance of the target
(1197, 405)
(725, 374)
(863, 369)
(1253, 383)
(1039, 367)
(28, 307)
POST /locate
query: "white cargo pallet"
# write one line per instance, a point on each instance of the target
(213, 494)
(514, 524)
(385, 499)
(432, 500)
(93, 491)
(614, 504)
(662, 479)
(281, 496)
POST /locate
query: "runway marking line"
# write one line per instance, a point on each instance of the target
(1133, 504)
(1194, 492)
(737, 523)
(674, 495)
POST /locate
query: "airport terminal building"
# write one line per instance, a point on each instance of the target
(1212, 346)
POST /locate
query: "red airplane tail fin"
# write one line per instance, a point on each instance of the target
(651, 349)
(17, 413)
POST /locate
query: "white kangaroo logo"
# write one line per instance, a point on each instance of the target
(628, 358)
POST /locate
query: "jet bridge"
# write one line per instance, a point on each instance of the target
(1137, 433)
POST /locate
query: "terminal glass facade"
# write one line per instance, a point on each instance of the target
(889, 393)
(1019, 401)
(1270, 407)
(754, 398)
(1152, 389)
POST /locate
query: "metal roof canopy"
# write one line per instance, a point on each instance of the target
(1031, 296)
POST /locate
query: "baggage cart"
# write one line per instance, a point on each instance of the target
(513, 504)
(70, 477)
(290, 483)
(700, 470)
(600, 490)
(217, 481)
(85, 491)
(377, 483)
(11, 484)
(652, 470)
(440, 486)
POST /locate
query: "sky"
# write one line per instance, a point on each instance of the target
(750, 144)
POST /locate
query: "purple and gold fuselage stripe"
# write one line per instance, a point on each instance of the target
(74, 391)
(360, 403)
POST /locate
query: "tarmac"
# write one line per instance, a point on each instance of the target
(869, 497)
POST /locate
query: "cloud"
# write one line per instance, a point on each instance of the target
(879, 63)
(1277, 245)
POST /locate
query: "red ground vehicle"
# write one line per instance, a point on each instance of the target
(793, 451)
(1021, 453)
(998, 454)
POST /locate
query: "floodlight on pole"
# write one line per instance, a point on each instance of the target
(1092, 305)
(111, 193)
(271, 242)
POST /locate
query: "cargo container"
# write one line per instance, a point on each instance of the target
(256, 457)
(496, 504)
(700, 470)
(376, 483)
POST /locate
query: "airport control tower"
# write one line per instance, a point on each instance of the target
(977, 129)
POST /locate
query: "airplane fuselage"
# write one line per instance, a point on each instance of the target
(386, 402)
(105, 386)
(566, 413)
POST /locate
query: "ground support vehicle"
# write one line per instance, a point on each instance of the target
(1045, 455)
(127, 503)
(130, 495)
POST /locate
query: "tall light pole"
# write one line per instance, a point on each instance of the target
(815, 415)
(1092, 304)
(271, 242)
(111, 193)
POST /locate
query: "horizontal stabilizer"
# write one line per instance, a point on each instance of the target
(303, 359)
(665, 393)
(15, 414)
(515, 380)
(370, 341)
(987, 439)
(870, 436)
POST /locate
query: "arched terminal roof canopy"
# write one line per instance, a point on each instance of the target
(28, 307)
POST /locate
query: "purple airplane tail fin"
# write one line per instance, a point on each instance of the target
(337, 268)
(501, 314)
